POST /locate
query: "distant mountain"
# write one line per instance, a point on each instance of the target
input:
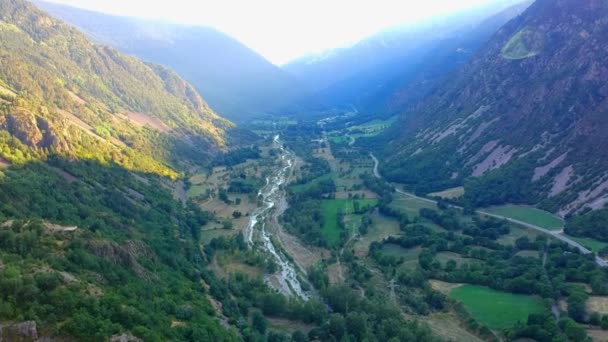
(235, 80)
(60, 94)
(524, 121)
(359, 75)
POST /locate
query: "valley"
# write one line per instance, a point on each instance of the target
(441, 180)
(376, 241)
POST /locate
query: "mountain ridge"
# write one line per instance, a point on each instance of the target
(63, 94)
(237, 81)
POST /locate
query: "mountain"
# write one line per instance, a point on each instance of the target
(62, 94)
(235, 80)
(523, 122)
(445, 56)
(354, 75)
(92, 241)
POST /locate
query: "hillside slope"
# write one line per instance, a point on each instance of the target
(236, 81)
(93, 245)
(525, 121)
(60, 93)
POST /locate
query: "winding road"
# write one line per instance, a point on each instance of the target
(599, 261)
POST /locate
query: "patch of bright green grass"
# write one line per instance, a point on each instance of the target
(496, 309)
(196, 190)
(449, 193)
(592, 244)
(375, 125)
(528, 215)
(331, 208)
(524, 44)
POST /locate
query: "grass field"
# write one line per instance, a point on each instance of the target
(198, 178)
(375, 125)
(594, 245)
(528, 254)
(515, 233)
(393, 250)
(498, 310)
(598, 304)
(447, 326)
(444, 257)
(331, 208)
(449, 193)
(196, 190)
(528, 215)
(409, 255)
(381, 228)
(410, 206)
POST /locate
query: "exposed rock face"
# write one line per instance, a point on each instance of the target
(19, 332)
(22, 124)
(126, 255)
(125, 338)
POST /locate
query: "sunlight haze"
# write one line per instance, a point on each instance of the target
(283, 30)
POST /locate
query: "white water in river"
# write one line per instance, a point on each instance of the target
(272, 196)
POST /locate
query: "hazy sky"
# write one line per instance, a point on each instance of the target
(284, 29)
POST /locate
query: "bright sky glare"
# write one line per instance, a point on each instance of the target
(282, 30)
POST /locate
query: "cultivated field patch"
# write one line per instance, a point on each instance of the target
(409, 205)
(381, 228)
(332, 208)
(528, 215)
(496, 309)
(449, 193)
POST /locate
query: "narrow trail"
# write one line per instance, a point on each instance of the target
(556, 234)
(392, 285)
(346, 244)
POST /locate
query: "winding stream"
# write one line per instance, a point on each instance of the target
(273, 205)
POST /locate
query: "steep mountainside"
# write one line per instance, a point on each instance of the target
(235, 80)
(353, 75)
(524, 121)
(60, 93)
(93, 244)
(417, 79)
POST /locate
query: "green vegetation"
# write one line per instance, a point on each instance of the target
(93, 281)
(196, 191)
(299, 188)
(524, 44)
(592, 244)
(496, 309)
(375, 125)
(452, 193)
(529, 215)
(333, 211)
(409, 205)
(91, 106)
(593, 225)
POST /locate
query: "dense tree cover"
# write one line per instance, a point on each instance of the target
(235, 157)
(510, 184)
(498, 266)
(242, 186)
(95, 281)
(305, 219)
(593, 224)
